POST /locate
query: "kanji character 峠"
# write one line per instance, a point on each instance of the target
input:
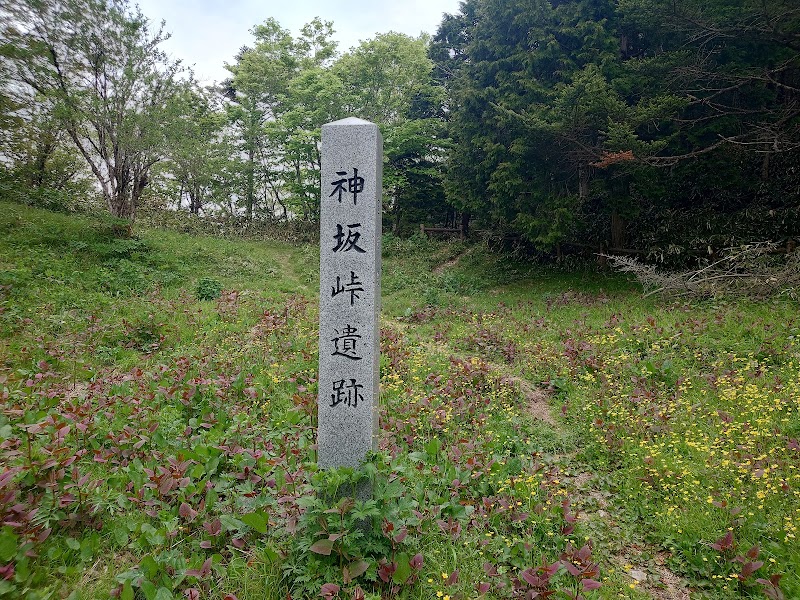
(353, 286)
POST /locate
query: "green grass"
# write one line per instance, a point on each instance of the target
(159, 444)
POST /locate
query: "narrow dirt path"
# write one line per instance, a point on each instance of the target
(439, 269)
(537, 398)
(287, 264)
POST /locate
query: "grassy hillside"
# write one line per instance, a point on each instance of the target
(539, 430)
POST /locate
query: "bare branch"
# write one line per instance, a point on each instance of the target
(756, 270)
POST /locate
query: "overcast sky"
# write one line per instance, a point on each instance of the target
(208, 33)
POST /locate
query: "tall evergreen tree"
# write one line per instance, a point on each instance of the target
(564, 111)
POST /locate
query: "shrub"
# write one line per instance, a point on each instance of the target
(208, 289)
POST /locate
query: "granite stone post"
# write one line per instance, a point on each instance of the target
(350, 292)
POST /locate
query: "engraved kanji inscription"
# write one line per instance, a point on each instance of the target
(351, 287)
(347, 392)
(345, 343)
(348, 242)
(355, 185)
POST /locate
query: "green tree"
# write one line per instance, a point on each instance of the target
(260, 76)
(382, 76)
(388, 80)
(99, 65)
(283, 90)
(40, 166)
(563, 111)
(711, 97)
(510, 166)
(315, 97)
(274, 140)
(10, 103)
(198, 148)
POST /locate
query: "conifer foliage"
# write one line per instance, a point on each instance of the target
(599, 120)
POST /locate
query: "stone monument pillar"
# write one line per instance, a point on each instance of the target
(350, 291)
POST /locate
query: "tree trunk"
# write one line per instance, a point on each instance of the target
(617, 230)
(194, 201)
(127, 192)
(397, 219)
(44, 150)
(276, 193)
(250, 193)
(465, 217)
(583, 182)
(122, 207)
(120, 201)
(285, 216)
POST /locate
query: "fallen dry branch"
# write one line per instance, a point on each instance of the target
(755, 271)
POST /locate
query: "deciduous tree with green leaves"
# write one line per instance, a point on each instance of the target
(284, 89)
(260, 76)
(388, 80)
(99, 64)
(198, 149)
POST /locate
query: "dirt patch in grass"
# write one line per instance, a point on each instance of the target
(674, 588)
(537, 399)
(449, 264)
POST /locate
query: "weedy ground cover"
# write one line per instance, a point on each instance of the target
(542, 434)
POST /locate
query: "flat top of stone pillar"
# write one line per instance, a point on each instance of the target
(349, 121)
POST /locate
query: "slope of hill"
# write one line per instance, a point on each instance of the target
(539, 430)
